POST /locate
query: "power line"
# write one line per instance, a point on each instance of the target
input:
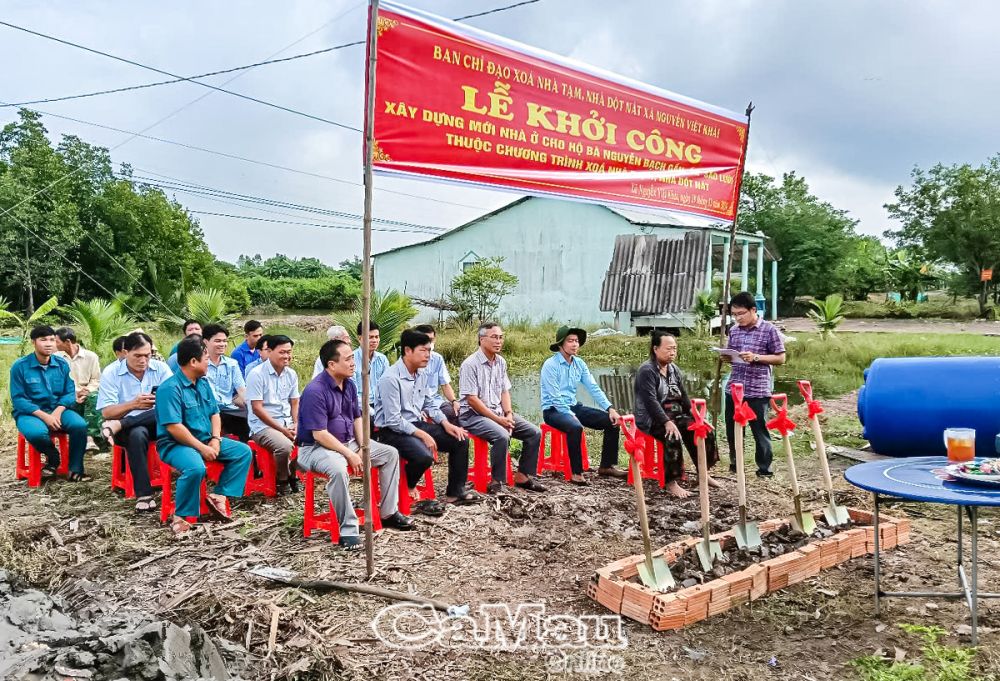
(181, 79)
(174, 75)
(305, 224)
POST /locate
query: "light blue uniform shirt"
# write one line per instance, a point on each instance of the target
(119, 385)
(403, 397)
(376, 369)
(225, 378)
(275, 391)
(437, 376)
(560, 380)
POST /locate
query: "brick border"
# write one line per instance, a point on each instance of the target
(612, 585)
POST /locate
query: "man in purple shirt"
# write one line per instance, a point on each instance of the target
(329, 436)
(760, 348)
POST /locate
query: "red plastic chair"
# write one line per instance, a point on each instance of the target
(213, 472)
(328, 522)
(267, 483)
(558, 456)
(121, 472)
(651, 465)
(425, 489)
(29, 459)
(482, 471)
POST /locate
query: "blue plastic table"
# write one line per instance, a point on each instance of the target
(923, 479)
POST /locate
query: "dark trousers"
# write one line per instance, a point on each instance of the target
(136, 433)
(761, 435)
(419, 458)
(673, 455)
(234, 422)
(573, 423)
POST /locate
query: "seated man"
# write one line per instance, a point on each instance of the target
(227, 381)
(118, 346)
(190, 328)
(189, 433)
(377, 362)
(329, 437)
(85, 370)
(562, 374)
(333, 333)
(126, 399)
(486, 411)
(273, 393)
(172, 360)
(248, 351)
(663, 410)
(265, 351)
(42, 395)
(404, 396)
(439, 379)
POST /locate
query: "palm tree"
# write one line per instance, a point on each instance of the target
(100, 321)
(390, 309)
(25, 323)
(205, 306)
(827, 313)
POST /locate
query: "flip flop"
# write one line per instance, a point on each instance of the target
(467, 499)
(180, 527)
(145, 504)
(431, 507)
(531, 485)
(218, 508)
(79, 477)
(48, 472)
(350, 544)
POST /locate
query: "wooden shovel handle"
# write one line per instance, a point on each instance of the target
(703, 480)
(787, 441)
(824, 463)
(741, 475)
(640, 500)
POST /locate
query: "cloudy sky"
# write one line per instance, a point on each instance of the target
(851, 94)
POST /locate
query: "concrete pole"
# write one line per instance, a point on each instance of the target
(745, 266)
(708, 266)
(774, 290)
(760, 269)
(726, 245)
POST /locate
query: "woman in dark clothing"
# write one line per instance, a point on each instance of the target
(663, 410)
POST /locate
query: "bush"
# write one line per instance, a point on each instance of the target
(333, 293)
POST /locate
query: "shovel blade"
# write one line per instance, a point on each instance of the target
(803, 522)
(836, 516)
(660, 578)
(747, 535)
(273, 573)
(708, 553)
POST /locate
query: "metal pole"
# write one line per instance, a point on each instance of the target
(974, 599)
(878, 585)
(729, 265)
(366, 289)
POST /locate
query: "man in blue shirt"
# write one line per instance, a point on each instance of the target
(190, 328)
(43, 395)
(126, 394)
(264, 348)
(439, 379)
(247, 351)
(378, 362)
(329, 436)
(189, 433)
(561, 375)
(227, 381)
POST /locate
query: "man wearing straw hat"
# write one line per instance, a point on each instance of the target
(562, 373)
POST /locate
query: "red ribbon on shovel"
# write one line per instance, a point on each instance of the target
(633, 445)
(700, 427)
(815, 408)
(742, 413)
(781, 422)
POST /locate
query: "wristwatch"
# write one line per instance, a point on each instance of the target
(756, 359)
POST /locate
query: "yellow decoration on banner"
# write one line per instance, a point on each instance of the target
(378, 154)
(385, 24)
(741, 133)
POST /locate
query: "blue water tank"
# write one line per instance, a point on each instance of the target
(761, 303)
(907, 402)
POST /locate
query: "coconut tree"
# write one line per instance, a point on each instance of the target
(390, 309)
(827, 313)
(99, 322)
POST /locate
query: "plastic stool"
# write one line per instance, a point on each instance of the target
(652, 464)
(328, 521)
(482, 472)
(425, 489)
(267, 483)
(29, 459)
(558, 459)
(213, 470)
(121, 472)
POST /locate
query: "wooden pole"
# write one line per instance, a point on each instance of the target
(717, 386)
(366, 289)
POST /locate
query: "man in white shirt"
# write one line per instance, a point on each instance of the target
(333, 333)
(273, 394)
(226, 378)
(85, 370)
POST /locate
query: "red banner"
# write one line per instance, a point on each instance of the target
(460, 104)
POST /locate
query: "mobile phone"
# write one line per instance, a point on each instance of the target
(153, 391)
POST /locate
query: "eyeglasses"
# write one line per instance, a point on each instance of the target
(495, 337)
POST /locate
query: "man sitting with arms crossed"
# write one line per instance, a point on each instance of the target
(189, 433)
(227, 380)
(329, 438)
(126, 399)
(273, 392)
(333, 333)
(486, 412)
(42, 394)
(404, 396)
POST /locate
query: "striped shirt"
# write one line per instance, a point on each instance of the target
(761, 339)
(485, 379)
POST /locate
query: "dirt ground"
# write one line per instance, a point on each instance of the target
(980, 326)
(84, 542)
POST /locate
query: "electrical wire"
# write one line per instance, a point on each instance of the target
(306, 224)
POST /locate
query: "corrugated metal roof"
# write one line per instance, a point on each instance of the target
(651, 276)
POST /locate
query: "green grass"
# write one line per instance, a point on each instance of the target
(936, 662)
(936, 308)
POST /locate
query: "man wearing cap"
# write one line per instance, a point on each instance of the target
(562, 373)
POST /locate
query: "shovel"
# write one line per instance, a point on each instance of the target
(801, 521)
(835, 515)
(708, 550)
(653, 572)
(747, 533)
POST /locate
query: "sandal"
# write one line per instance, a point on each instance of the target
(145, 504)
(218, 507)
(467, 498)
(77, 477)
(531, 484)
(180, 527)
(350, 544)
(494, 487)
(48, 472)
(431, 507)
